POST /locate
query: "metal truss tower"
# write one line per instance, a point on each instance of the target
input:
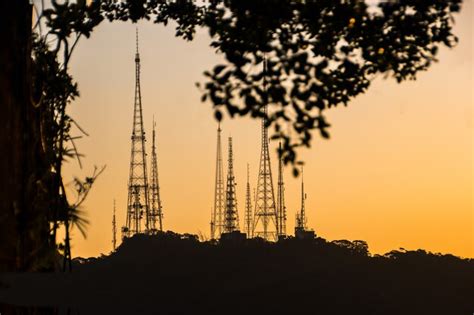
(265, 216)
(231, 214)
(301, 219)
(114, 230)
(281, 208)
(156, 209)
(248, 223)
(138, 210)
(217, 216)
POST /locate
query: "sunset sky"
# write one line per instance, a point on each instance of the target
(397, 171)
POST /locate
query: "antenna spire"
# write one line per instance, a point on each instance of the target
(301, 217)
(156, 216)
(248, 209)
(301, 230)
(247, 172)
(138, 208)
(114, 230)
(231, 217)
(137, 54)
(265, 215)
(217, 215)
(281, 208)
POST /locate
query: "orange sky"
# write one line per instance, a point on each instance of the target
(397, 171)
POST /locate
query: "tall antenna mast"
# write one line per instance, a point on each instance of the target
(138, 210)
(266, 218)
(231, 217)
(155, 204)
(301, 217)
(248, 209)
(212, 224)
(281, 208)
(114, 230)
(217, 218)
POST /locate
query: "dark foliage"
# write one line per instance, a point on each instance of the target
(53, 89)
(320, 53)
(176, 274)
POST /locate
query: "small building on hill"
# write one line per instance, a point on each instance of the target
(234, 236)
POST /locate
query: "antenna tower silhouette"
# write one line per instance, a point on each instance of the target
(281, 208)
(156, 210)
(138, 210)
(266, 218)
(301, 219)
(217, 218)
(231, 217)
(114, 230)
(248, 224)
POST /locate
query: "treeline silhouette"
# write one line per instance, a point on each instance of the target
(172, 273)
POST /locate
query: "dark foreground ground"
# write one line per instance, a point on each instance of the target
(176, 274)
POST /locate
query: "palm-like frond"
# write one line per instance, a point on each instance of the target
(78, 218)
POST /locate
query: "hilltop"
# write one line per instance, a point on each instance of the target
(171, 273)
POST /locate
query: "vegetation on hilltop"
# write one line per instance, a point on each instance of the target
(178, 274)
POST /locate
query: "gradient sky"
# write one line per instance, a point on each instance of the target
(397, 171)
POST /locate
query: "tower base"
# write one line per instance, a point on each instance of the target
(235, 236)
(303, 234)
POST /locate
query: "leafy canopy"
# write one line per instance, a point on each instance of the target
(319, 53)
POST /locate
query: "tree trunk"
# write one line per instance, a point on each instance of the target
(23, 222)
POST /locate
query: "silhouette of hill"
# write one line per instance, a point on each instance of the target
(176, 274)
